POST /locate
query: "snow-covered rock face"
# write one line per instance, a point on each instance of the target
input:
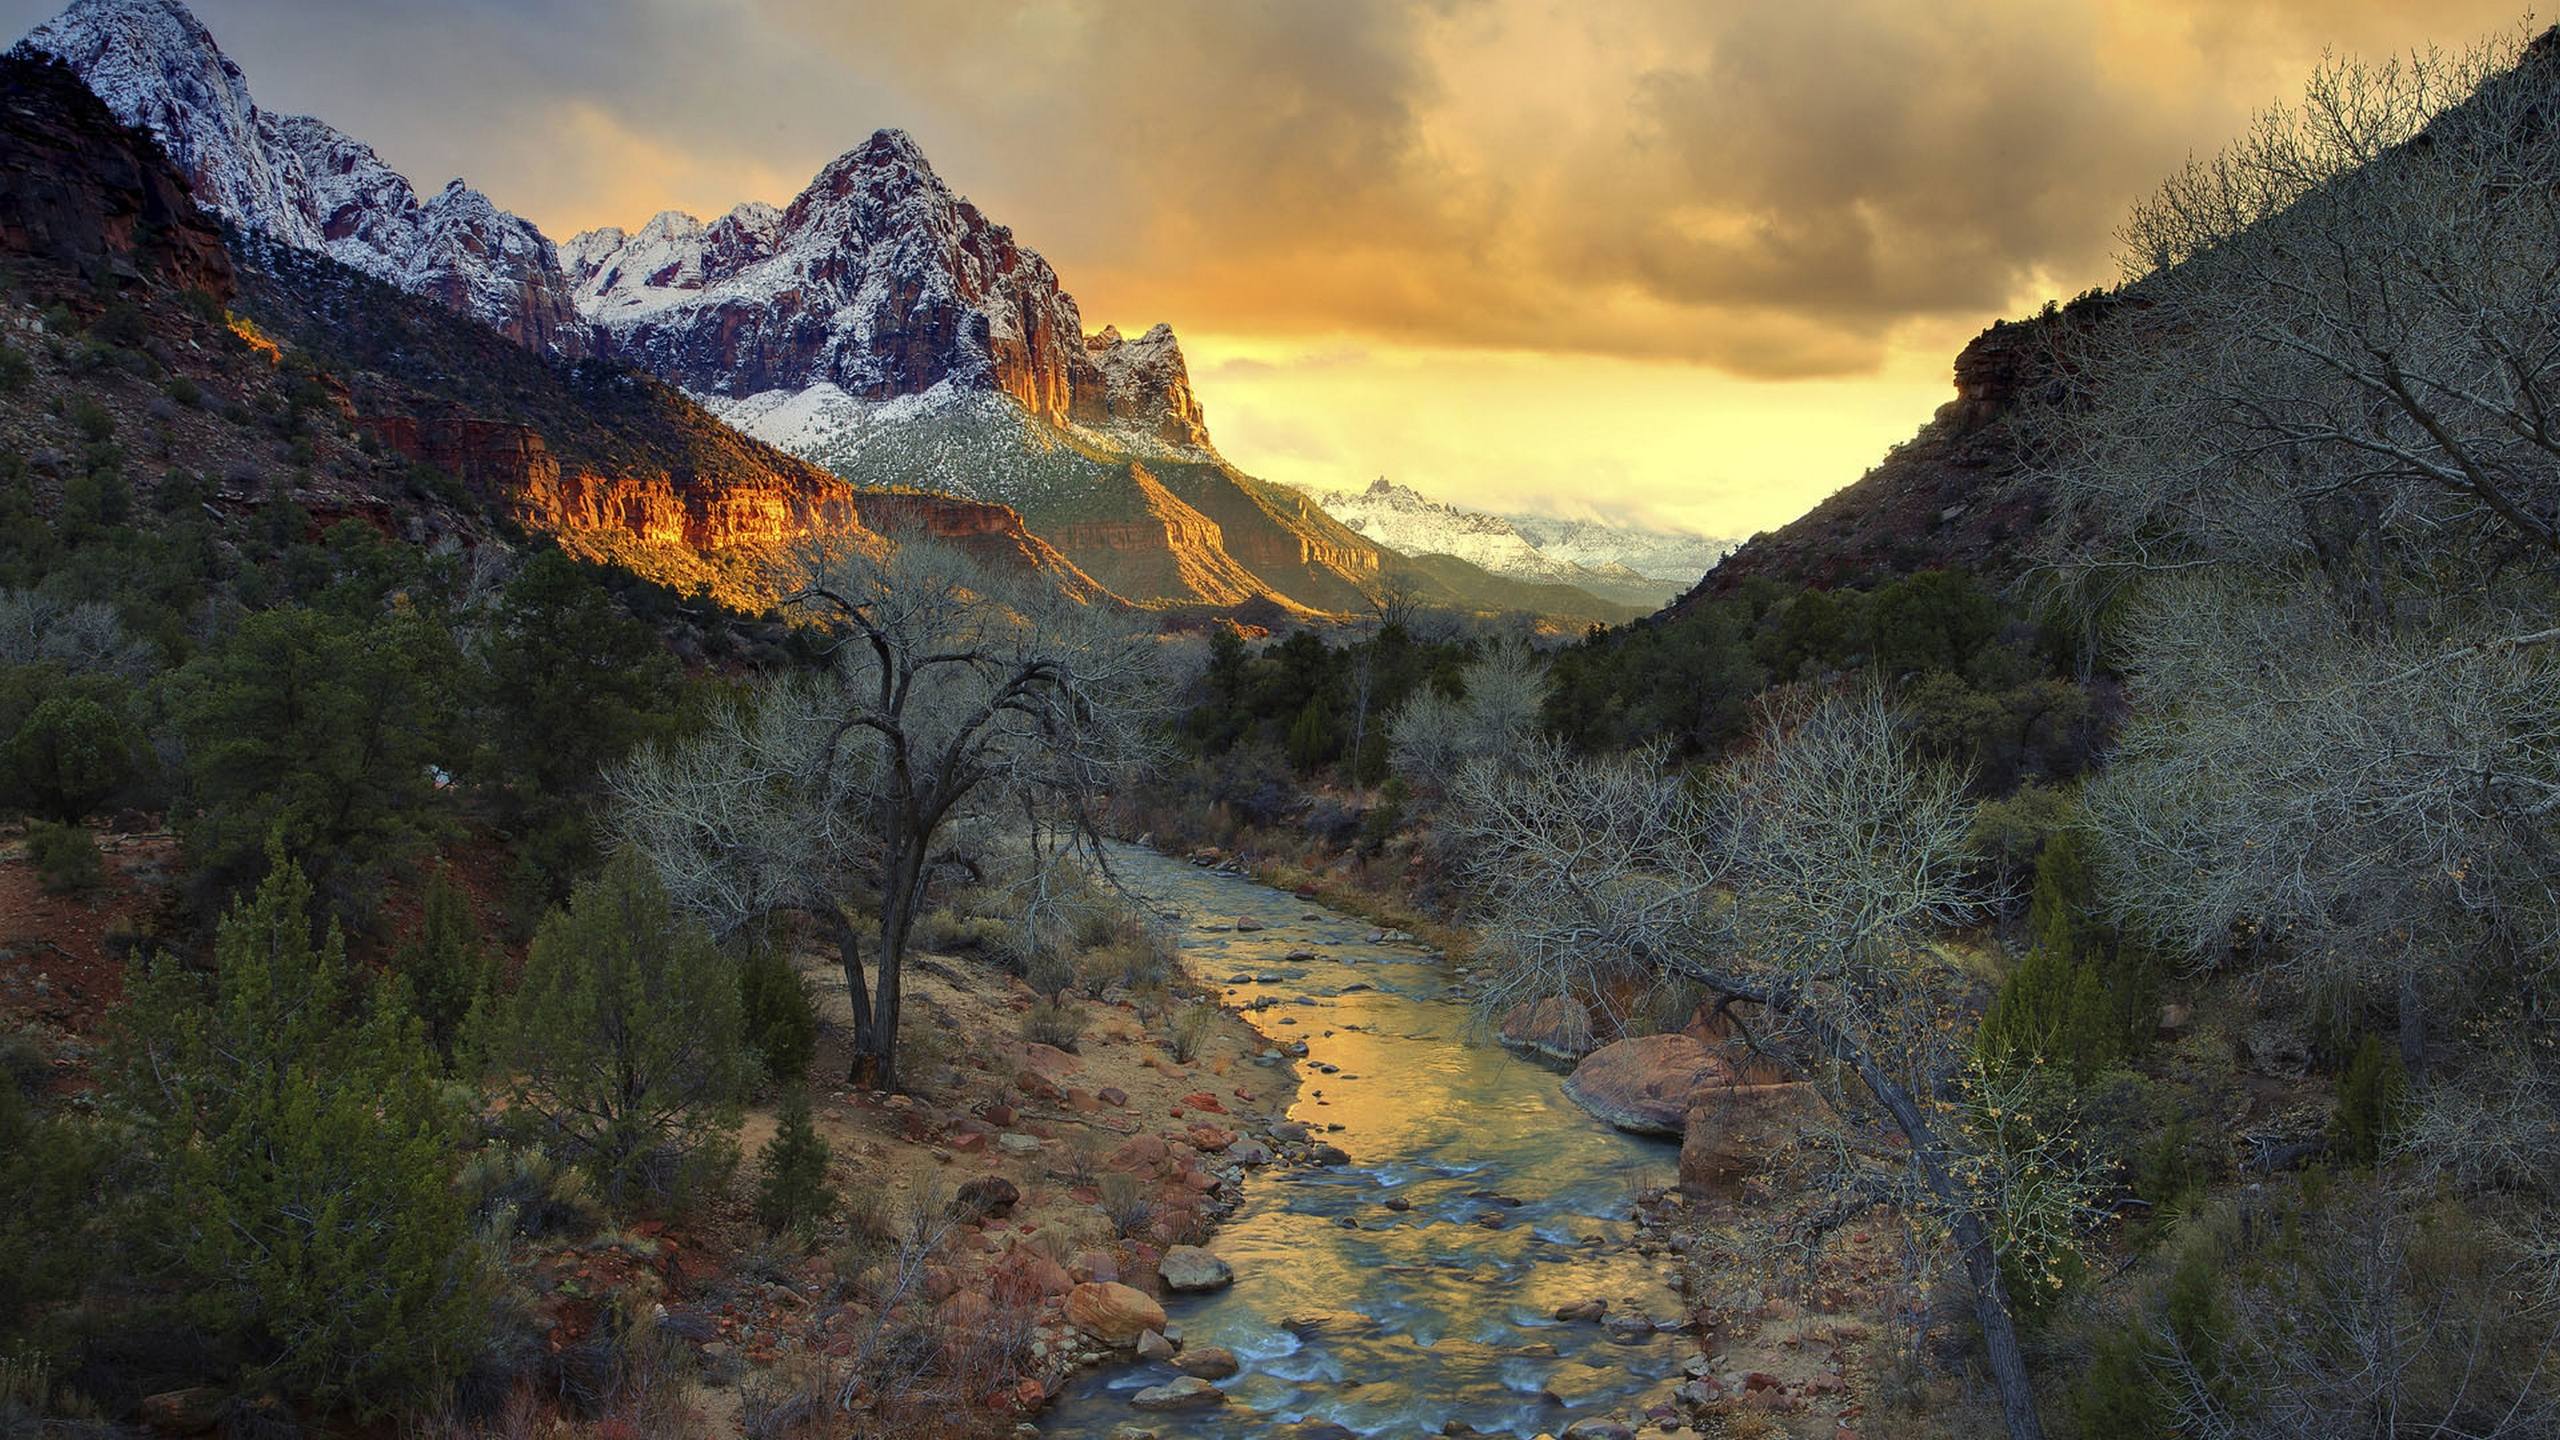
(1605, 558)
(305, 183)
(877, 282)
(1146, 387)
(1678, 556)
(156, 66)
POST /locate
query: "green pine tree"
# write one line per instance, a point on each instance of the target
(2075, 999)
(793, 1192)
(2026, 1018)
(780, 1023)
(622, 1041)
(53, 1192)
(2091, 1025)
(2117, 1397)
(2059, 910)
(1311, 737)
(304, 1152)
(68, 756)
(444, 964)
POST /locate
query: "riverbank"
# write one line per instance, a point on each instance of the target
(1011, 1217)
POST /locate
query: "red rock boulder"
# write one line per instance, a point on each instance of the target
(1643, 1084)
(1112, 1313)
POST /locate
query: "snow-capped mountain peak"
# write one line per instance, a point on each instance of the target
(303, 182)
(1406, 520)
(155, 65)
(1634, 562)
(879, 283)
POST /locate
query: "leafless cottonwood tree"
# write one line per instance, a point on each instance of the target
(1434, 736)
(950, 696)
(1801, 881)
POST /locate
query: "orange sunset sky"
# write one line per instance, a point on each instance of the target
(1698, 262)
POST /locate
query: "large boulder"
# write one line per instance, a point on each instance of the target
(1188, 1267)
(1732, 1130)
(1643, 1084)
(1555, 1027)
(1113, 1313)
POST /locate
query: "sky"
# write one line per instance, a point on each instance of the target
(1697, 262)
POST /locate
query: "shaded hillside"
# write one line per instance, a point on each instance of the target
(1464, 584)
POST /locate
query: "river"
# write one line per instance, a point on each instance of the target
(1404, 1319)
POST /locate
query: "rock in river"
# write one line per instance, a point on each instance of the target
(1188, 1267)
(1643, 1085)
(1209, 1362)
(1113, 1313)
(1188, 1392)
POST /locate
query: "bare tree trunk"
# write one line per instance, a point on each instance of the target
(2000, 1347)
(2006, 1357)
(849, 957)
(898, 904)
(2413, 1022)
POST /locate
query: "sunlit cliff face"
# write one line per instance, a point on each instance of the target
(733, 540)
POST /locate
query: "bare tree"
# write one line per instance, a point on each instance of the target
(949, 696)
(2315, 479)
(2372, 814)
(2378, 1328)
(86, 638)
(1434, 736)
(1802, 881)
(1395, 602)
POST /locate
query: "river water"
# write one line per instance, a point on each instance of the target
(1404, 1320)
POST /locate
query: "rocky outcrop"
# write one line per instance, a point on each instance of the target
(79, 188)
(669, 523)
(1159, 546)
(618, 465)
(880, 281)
(1964, 492)
(301, 182)
(876, 279)
(1146, 387)
(1643, 1084)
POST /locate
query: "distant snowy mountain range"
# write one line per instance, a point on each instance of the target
(1637, 564)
